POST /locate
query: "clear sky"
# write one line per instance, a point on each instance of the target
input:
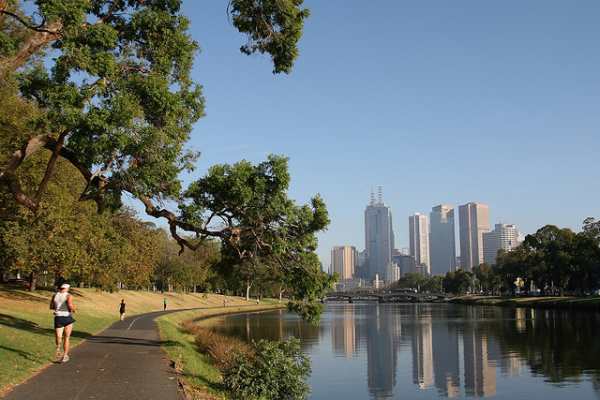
(437, 101)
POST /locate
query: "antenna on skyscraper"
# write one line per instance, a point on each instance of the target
(380, 194)
(372, 196)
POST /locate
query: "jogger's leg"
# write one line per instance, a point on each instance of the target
(67, 338)
(58, 333)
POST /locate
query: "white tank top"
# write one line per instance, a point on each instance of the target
(61, 309)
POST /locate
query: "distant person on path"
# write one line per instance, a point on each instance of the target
(62, 304)
(122, 309)
(164, 304)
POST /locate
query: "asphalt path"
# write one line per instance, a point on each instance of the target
(125, 361)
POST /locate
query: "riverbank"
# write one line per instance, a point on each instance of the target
(591, 303)
(200, 379)
(26, 324)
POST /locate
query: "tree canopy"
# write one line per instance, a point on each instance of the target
(103, 89)
(111, 81)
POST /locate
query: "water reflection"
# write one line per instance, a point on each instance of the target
(439, 351)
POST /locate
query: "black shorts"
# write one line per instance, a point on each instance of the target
(61, 322)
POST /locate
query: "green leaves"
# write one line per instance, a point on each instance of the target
(271, 26)
(276, 371)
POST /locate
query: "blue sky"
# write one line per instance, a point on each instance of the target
(437, 101)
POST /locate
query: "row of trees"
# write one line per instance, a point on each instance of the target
(552, 261)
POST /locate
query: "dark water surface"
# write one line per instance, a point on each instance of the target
(432, 351)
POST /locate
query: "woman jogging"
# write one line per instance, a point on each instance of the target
(62, 304)
(122, 309)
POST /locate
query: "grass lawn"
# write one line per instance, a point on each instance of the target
(26, 323)
(201, 379)
(575, 303)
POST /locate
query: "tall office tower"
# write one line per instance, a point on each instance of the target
(503, 237)
(405, 263)
(474, 220)
(442, 247)
(344, 260)
(379, 238)
(419, 240)
(362, 266)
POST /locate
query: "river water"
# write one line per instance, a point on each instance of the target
(433, 351)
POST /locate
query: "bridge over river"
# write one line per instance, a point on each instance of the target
(385, 296)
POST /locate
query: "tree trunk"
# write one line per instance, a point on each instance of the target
(248, 286)
(32, 281)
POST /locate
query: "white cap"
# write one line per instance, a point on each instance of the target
(65, 286)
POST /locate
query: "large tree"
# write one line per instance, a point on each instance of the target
(110, 80)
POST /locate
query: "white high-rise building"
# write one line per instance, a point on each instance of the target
(503, 237)
(474, 221)
(344, 260)
(419, 240)
(442, 246)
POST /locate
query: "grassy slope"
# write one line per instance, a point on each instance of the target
(574, 303)
(27, 337)
(201, 379)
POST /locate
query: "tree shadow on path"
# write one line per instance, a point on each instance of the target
(32, 327)
(22, 353)
(131, 341)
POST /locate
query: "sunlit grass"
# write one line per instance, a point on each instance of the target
(591, 302)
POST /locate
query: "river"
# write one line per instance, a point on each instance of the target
(434, 351)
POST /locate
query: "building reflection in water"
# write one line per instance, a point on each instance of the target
(435, 344)
(446, 361)
(343, 333)
(422, 352)
(382, 352)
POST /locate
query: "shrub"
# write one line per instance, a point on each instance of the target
(275, 371)
(220, 348)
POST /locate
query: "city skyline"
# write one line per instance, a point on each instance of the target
(472, 236)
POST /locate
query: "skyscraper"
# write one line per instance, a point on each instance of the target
(379, 238)
(344, 260)
(442, 246)
(419, 240)
(474, 221)
(503, 237)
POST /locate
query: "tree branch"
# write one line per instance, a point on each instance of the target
(32, 45)
(37, 28)
(50, 168)
(9, 176)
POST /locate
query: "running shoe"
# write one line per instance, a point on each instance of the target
(58, 355)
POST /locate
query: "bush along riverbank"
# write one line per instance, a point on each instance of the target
(591, 303)
(217, 366)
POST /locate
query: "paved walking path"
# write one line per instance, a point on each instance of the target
(123, 362)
